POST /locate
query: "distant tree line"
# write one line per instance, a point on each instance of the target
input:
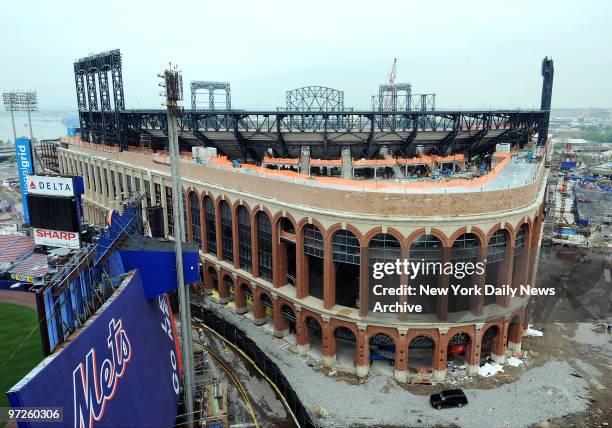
(593, 133)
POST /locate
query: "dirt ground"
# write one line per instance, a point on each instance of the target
(21, 298)
(560, 342)
(564, 341)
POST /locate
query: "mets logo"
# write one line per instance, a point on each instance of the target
(93, 386)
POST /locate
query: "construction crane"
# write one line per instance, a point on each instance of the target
(388, 102)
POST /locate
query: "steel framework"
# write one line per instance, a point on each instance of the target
(250, 135)
(315, 98)
(548, 72)
(315, 117)
(104, 127)
(210, 88)
(401, 98)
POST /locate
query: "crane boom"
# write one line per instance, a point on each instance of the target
(388, 103)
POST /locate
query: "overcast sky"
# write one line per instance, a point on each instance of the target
(473, 54)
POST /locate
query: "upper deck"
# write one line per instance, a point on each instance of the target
(513, 182)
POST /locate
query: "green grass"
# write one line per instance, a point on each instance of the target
(16, 324)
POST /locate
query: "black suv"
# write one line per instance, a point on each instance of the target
(448, 398)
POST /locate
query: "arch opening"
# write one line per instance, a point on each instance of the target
(245, 257)
(213, 276)
(383, 248)
(490, 339)
(287, 252)
(229, 284)
(464, 250)
(520, 266)
(264, 245)
(382, 353)
(421, 355)
(496, 254)
(227, 243)
(268, 307)
(427, 249)
(315, 337)
(346, 347)
(194, 212)
(346, 258)
(313, 259)
(248, 297)
(458, 350)
(210, 224)
(289, 323)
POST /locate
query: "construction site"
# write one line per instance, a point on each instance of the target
(281, 217)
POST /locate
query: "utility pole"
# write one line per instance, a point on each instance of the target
(11, 103)
(173, 82)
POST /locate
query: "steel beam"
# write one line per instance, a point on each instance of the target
(279, 135)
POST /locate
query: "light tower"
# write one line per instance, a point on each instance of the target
(21, 101)
(173, 84)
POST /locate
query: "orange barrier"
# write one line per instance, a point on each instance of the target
(326, 162)
(280, 161)
(375, 185)
(422, 160)
(223, 162)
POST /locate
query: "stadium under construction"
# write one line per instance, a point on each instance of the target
(291, 208)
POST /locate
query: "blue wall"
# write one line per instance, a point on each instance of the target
(144, 383)
(158, 268)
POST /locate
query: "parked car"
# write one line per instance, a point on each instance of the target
(381, 354)
(448, 398)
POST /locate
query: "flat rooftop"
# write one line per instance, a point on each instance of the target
(512, 171)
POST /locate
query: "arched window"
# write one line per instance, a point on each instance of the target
(384, 247)
(194, 209)
(313, 241)
(520, 240)
(244, 238)
(465, 248)
(345, 247)
(211, 231)
(226, 231)
(426, 247)
(496, 250)
(264, 245)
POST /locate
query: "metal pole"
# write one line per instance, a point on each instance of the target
(178, 246)
(187, 293)
(37, 158)
(30, 125)
(14, 131)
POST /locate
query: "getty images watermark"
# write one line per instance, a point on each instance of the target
(416, 286)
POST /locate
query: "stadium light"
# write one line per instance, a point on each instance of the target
(21, 101)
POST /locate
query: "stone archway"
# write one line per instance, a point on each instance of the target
(315, 337)
(489, 343)
(459, 350)
(421, 352)
(346, 347)
(382, 353)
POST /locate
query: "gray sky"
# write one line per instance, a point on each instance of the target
(473, 54)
